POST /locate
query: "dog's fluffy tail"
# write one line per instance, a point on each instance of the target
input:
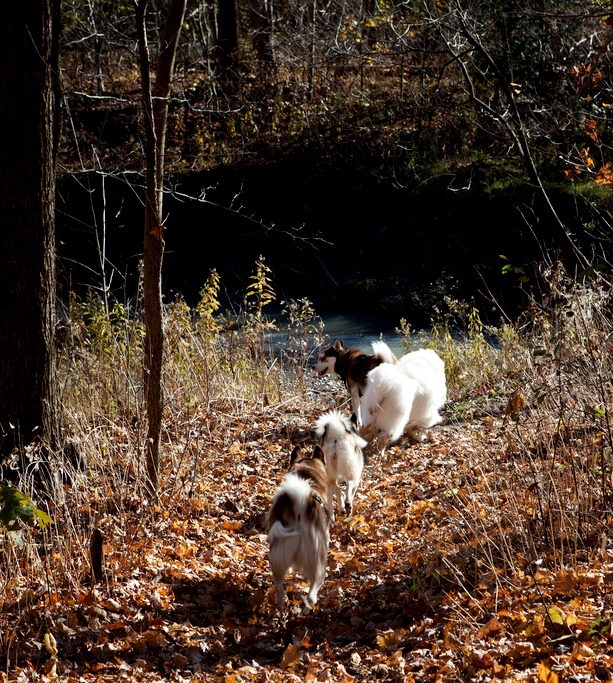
(297, 489)
(289, 503)
(334, 423)
(334, 426)
(383, 351)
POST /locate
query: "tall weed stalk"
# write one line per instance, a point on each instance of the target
(218, 368)
(543, 454)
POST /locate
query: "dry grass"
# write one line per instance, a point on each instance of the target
(517, 484)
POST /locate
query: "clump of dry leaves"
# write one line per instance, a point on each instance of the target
(482, 554)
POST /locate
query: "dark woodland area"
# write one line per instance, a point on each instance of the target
(378, 156)
(187, 189)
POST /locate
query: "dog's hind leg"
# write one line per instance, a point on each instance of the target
(280, 558)
(352, 487)
(383, 439)
(280, 594)
(340, 497)
(330, 498)
(354, 392)
(316, 583)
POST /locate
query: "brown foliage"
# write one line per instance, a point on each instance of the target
(482, 553)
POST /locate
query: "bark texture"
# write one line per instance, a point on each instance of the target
(29, 121)
(155, 107)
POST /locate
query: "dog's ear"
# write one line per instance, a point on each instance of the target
(338, 345)
(318, 454)
(297, 454)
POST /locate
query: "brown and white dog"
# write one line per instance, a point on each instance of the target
(353, 366)
(298, 523)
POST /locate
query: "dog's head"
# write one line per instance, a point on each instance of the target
(311, 467)
(327, 360)
(300, 457)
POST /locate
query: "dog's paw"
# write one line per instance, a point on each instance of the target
(308, 605)
(418, 434)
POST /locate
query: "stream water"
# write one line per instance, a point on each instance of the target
(360, 331)
(356, 331)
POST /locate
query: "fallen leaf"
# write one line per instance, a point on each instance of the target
(556, 616)
(291, 655)
(492, 628)
(581, 653)
(546, 675)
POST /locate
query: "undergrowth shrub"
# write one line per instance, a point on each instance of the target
(305, 335)
(539, 439)
(542, 387)
(219, 368)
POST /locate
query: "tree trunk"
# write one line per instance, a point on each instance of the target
(155, 106)
(261, 17)
(227, 46)
(29, 122)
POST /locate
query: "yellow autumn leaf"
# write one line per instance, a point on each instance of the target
(571, 619)
(290, 656)
(50, 644)
(556, 616)
(546, 675)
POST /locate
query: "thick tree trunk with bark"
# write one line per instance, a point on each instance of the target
(155, 106)
(29, 116)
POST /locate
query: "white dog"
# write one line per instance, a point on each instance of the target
(404, 396)
(342, 447)
(427, 369)
(387, 404)
(298, 522)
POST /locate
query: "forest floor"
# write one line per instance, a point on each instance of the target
(413, 592)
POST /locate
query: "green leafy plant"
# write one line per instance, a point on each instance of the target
(16, 508)
(260, 292)
(208, 305)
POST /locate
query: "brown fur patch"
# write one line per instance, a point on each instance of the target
(312, 468)
(284, 511)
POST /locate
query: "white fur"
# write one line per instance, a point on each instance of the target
(428, 370)
(383, 351)
(342, 447)
(302, 546)
(387, 404)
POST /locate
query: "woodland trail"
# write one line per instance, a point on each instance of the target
(413, 591)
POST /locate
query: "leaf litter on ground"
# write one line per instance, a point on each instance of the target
(417, 587)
